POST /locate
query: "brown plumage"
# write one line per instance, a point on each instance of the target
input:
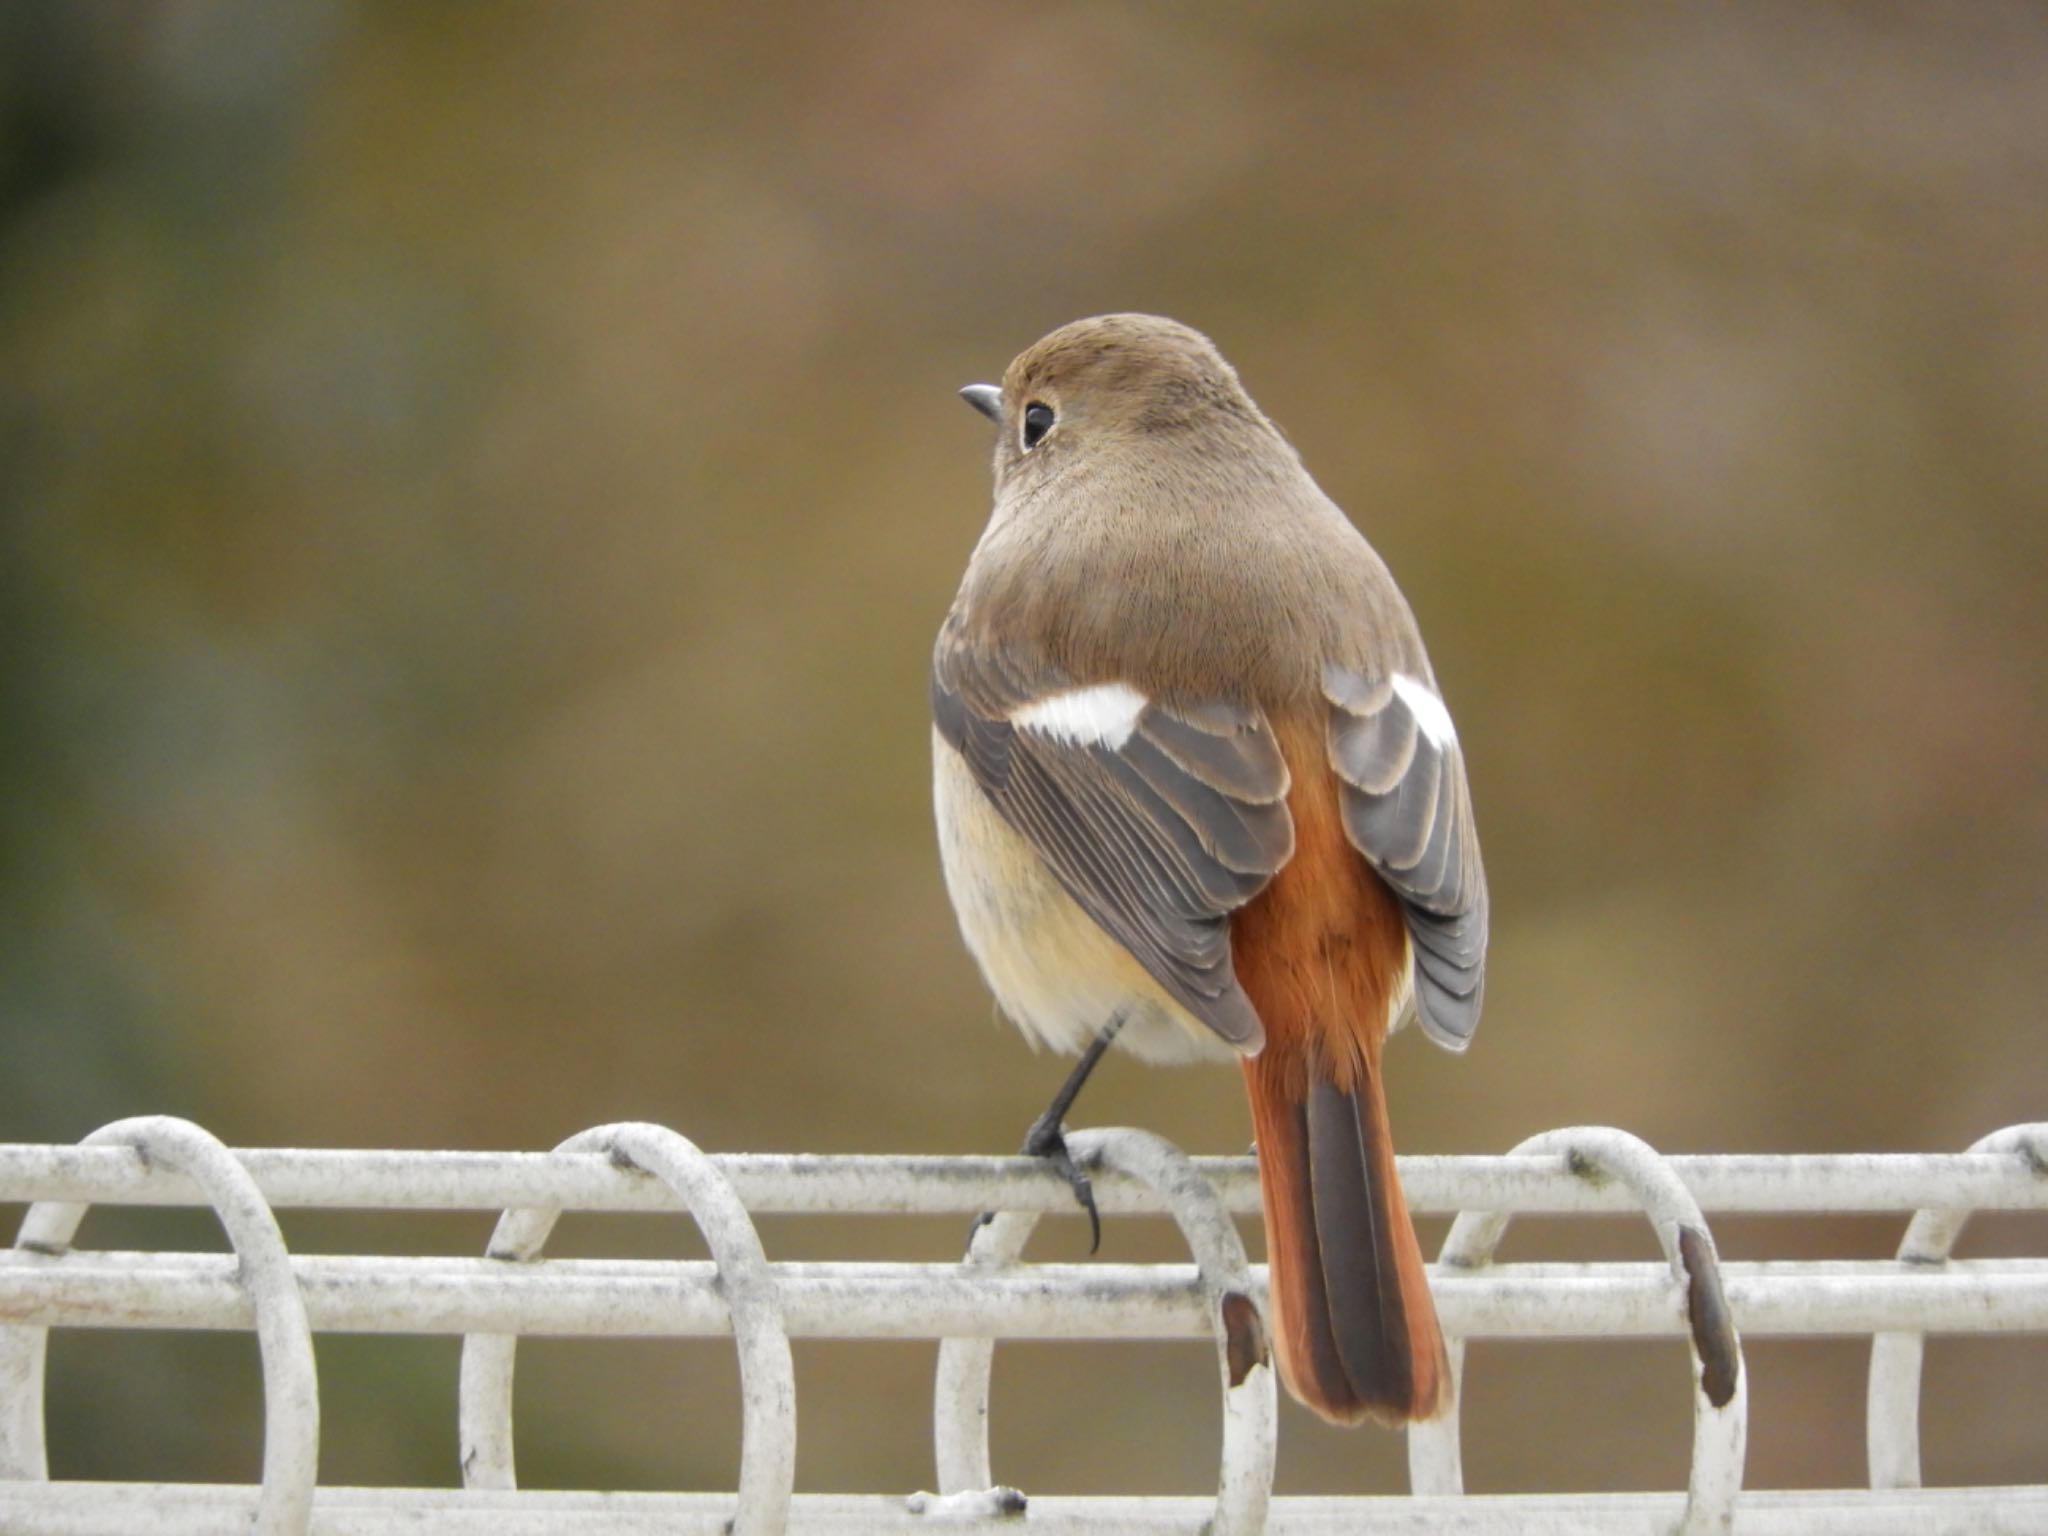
(1194, 778)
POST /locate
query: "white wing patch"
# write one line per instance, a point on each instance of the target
(1104, 715)
(1428, 710)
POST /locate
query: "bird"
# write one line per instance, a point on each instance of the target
(1199, 796)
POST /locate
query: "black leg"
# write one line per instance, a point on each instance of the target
(1047, 1136)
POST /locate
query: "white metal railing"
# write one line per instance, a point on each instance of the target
(512, 1291)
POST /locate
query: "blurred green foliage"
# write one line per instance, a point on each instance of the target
(478, 483)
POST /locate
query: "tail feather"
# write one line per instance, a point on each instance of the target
(1355, 1329)
(1323, 953)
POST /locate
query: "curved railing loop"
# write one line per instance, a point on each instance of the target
(767, 1378)
(1720, 1385)
(1892, 1407)
(291, 1390)
(1229, 1296)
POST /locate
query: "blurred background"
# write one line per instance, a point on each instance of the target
(480, 482)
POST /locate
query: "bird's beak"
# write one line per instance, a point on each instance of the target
(985, 398)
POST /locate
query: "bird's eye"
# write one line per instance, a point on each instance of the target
(1038, 420)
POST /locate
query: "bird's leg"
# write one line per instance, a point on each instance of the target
(1047, 1137)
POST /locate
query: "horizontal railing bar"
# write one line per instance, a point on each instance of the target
(71, 1508)
(647, 1298)
(821, 1185)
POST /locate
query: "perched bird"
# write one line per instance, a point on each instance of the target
(1198, 793)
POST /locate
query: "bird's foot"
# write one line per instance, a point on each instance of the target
(1047, 1139)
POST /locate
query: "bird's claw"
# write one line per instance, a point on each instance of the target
(1046, 1139)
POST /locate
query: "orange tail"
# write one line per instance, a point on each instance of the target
(1322, 953)
(1354, 1327)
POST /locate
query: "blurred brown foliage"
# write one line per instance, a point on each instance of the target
(479, 483)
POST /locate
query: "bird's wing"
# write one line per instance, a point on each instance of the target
(1408, 809)
(1160, 820)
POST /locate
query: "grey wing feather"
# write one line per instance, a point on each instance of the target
(1159, 840)
(1408, 809)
